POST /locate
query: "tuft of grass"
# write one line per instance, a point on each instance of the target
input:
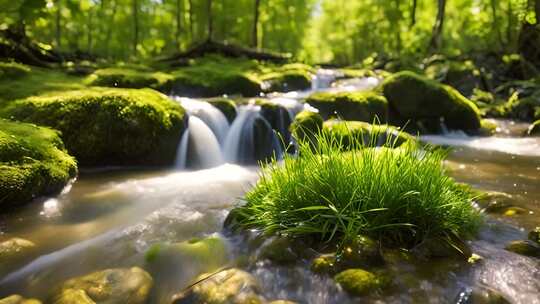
(401, 196)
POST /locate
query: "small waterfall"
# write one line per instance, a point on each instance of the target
(199, 146)
(324, 78)
(254, 135)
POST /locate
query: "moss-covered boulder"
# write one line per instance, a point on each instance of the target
(108, 126)
(534, 129)
(306, 125)
(226, 106)
(17, 299)
(113, 286)
(127, 78)
(524, 247)
(359, 282)
(462, 75)
(231, 286)
(324, 264)
(360, 252)
(10, 70)
(14, 252)
(524, 108)
(280, 250)
(287, 80)
(417, 98)
(33, 162)
(349, 132)
(362, 106)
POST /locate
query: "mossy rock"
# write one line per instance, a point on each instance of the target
(361, 252)
(33, 162)
(534, 129)
(108, 126)
(449, 247)
(17, 299)
(360, 282)
(280, 250)
(361, 106)
(114, 286)
(522, 108)
(127, 78)
(324, 264)
(306, 126)
(534, 235)
(462, 75)
(10, 70)
(524, 247)
(347, 133)
(286, 81)
(231, 286)
(204, 81)
(414, 97)
(226, 106)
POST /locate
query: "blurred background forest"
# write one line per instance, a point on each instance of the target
(314, 31)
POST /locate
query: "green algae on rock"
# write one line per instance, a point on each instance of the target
(347, 133)
(114, 286)
(33, 162)
(103, 126)
(417, 98)
(17, 299)
(127, 78)
(360, 282)
(231, 286)
(226, 106)
(362, 106)
(524, 247)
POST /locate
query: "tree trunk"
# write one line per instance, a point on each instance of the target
(108, 35)
(413, 13)
(397, 27)
(255, 29)
(58, 25)
(436, 36)
(89, 32)
(210, 24)
(496, 27)
(190, 17)
(178, 23)
(135, 11)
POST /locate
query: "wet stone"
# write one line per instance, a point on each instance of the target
(524, 247)
(534, 235)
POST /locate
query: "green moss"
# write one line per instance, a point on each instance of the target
(350, 132)
(39, 81)
(17, 299)
(128, 78)
(108, 126)
(286, 80)
(226, 106)
(414, 97)
(33, 162)
(525, 109)
(363, 106)
(359, 282)
(13, 70)
(462, 75)
(306, 126)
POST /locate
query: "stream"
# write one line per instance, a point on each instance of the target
(110, 217)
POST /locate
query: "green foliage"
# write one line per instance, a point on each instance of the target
(108, 126)
(10, 70)
(364, 106)
(414, 97)
(401, 196)
(33, 162)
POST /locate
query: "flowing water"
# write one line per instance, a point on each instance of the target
(109, 218)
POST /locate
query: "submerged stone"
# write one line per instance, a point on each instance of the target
(33, 162)
(361, 252)
(231, 286)
(360, 282)
(108, 126)
(524, 247)
(414, 97)
(113, 286)
(481, 295)
(208, 254)
(361, 106)
(534, 235)
(17, 299)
